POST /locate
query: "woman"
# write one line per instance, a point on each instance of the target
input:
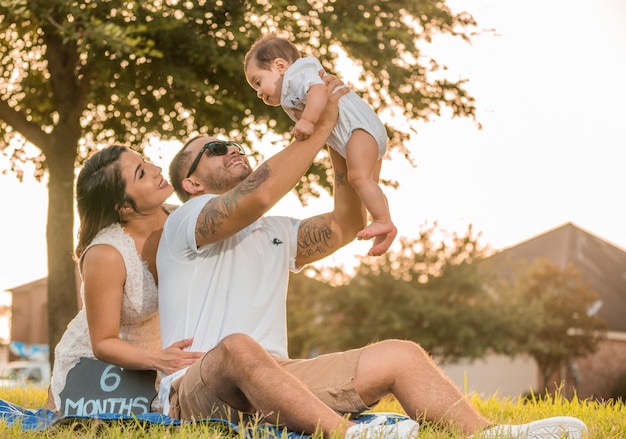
(120, 200)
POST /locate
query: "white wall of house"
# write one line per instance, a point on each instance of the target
(495, 375)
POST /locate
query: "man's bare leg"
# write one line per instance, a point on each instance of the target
(248, 379)
(404, 369)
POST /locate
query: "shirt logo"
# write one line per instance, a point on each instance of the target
(276, 242)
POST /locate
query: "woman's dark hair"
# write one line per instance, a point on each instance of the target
(100, 194)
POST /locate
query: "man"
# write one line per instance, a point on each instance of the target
(223, 272)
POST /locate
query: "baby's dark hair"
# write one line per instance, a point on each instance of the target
(269, 47)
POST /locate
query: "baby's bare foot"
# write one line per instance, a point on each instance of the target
(374, 229)
(383, 234)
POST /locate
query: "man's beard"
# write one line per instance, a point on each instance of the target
(223, 181)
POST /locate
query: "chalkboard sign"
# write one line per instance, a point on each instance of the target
(94, 387)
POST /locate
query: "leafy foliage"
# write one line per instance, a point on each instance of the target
(130, 69)
(441, 292)
(306, 303)
(430, 292)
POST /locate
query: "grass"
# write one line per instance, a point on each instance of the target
(605, 420)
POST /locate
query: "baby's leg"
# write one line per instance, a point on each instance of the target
(363, 172)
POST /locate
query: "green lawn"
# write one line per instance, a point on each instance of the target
(605, 420)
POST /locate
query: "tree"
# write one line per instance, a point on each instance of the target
(556, 304)
(77, 75)
(431, 291)
(440, 291)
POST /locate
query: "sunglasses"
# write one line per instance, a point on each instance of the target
(216, 147)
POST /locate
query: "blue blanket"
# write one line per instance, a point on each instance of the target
(42, 419)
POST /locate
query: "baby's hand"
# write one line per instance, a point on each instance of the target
(303, 129)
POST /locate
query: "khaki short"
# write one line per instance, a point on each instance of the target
(328, 376)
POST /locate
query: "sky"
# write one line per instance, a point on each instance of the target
(550, 92)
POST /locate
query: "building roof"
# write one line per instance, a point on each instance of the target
(600, 263)
(39, 283)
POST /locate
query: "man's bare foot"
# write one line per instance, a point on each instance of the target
(383, 234)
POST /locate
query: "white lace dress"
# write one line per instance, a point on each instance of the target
(139, 324)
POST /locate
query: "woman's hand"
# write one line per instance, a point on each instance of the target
(174, 357)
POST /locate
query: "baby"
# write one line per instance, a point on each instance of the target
(274, 68)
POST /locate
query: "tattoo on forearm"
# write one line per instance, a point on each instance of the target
(213, 215)
(254, 180)
(219, 210)
(315, 238)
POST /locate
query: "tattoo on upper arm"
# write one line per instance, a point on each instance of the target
(314, 238)
(219, 209)
(340, 178)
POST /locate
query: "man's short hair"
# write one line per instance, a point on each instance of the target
(178, 170)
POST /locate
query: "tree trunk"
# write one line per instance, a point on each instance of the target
(62, 297)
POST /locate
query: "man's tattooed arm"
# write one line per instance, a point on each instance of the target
(220, 210)
(315, 239)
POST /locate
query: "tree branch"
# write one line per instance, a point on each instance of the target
(30, 130)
